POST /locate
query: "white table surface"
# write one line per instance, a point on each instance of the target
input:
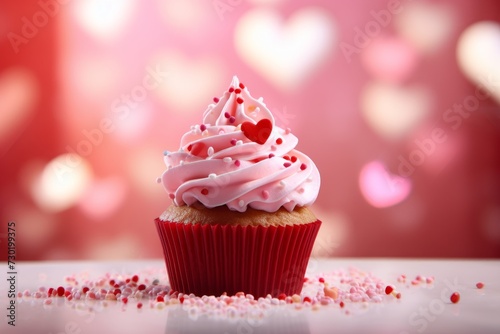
(423, 309)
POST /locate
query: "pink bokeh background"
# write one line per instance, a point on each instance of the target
(397, 102)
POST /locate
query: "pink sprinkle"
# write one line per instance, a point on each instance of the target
(47, 301)
(479, 285)
(265, 194)
(287, 164)
(429, 280)
(232, 119)
(303, 166)
(172, 196)
(237, 163)
(203, 127)
(226, 114)
(271, 155)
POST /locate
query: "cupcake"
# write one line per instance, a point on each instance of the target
(239, 220)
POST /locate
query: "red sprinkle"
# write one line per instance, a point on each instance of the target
(321, 280)
(112, 282)
(293, 158)
(286, 157)
(226, 114)
(287, 164)
(279, 141)
(216, 99)
(139, 305)
(85, 289)
(341, 304)
(181, 299)
(117, 291)
(307, 299)
(398, 295)
(242, 86)
(271, 155)
(135, 278)
(204, 191)
(237, 90)
(281, 296)
(50, 291)
(231, 89)
(203, 127)
(237, 163)
(479, 285)
(60, 291)
(455, 297)
(239, 100)
(389, 289)
(141, 287)
(124, 300)
(303, 166)
(160, 299)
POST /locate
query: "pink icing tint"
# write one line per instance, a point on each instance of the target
(240, 128)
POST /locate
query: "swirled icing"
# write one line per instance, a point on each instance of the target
(238, 157)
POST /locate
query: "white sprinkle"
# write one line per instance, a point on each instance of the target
(227, 159)
(282, 183)
(212, 175)
(241, 203)
(158, 180)
(309, 179)
(181, 162)
(239, 142)
(222, 132)
(210, 151)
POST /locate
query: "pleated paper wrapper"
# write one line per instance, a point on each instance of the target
(212, 259)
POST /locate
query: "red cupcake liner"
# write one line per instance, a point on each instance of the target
(206, 259)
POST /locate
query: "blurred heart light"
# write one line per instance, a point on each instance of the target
(62, 182)
(393, 111)
(380, 187)
(478, 53)
(103, 19)
(285, 52)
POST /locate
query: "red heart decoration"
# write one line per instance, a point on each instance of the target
(259, 132)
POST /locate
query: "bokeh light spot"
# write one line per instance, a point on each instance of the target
(62, 182)
(380, 187)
